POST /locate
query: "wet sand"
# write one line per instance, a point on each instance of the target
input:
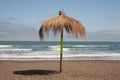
(49, 70)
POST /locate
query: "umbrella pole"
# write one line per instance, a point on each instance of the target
(61, 51)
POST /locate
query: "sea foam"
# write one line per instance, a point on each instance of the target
(5, 46)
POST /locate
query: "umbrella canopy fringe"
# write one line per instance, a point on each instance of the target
(60, 22)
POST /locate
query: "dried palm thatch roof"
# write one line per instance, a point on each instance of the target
(61, 22)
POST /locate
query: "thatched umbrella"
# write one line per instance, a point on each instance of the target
(59, 23)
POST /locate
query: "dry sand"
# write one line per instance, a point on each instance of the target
(49, 70)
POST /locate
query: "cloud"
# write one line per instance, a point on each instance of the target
(104, 35)
(101, 35)
(12, 31)
(16, 32)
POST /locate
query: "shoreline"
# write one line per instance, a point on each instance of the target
(49, 70)
(59, 60)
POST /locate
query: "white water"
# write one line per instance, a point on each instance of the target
(15, 49)
(86, 46)
(5, 46)
(47, 51)
(55, 55)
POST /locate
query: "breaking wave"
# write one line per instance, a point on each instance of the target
(5, 46)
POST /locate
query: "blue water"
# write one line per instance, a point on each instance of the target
(49, 50)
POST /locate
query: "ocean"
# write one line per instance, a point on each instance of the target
(50, 50)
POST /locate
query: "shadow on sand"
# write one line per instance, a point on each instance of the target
(35, 72)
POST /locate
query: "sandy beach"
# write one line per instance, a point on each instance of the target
(49, 70)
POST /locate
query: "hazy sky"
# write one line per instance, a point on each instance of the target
(21, 19)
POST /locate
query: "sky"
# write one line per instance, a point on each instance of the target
(20, 20)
